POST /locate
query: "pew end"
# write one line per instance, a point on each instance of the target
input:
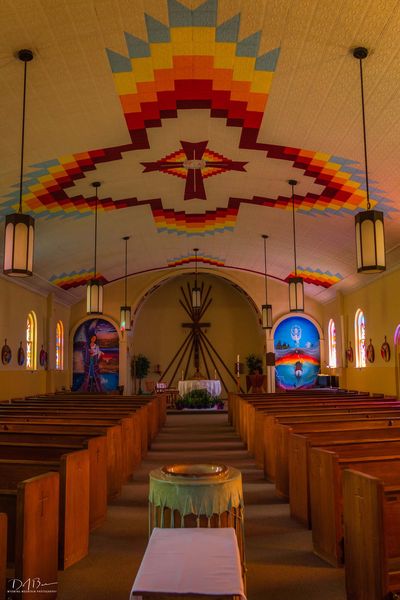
(3, 554)
(372, 535)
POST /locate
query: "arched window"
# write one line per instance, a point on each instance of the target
(31, 341)
(361, 348)
(332, 344)
(59, 345)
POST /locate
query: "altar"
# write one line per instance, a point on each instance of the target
(213, 386)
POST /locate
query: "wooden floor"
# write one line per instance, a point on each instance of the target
(280, 561)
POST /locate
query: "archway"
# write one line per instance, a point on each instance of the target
(234, 326)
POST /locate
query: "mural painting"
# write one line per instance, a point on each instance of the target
(95, 357)
(297, 354)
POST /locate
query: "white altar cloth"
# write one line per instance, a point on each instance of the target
(213, 386)
(190, 561)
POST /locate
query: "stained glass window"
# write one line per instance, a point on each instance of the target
(31, 341)
(332, 344)
(59, 345)
(360, 336)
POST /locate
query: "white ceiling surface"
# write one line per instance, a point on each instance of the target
(314, 104)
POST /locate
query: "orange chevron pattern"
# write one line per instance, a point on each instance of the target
(317, 277)
(192, 63)
(66, 281)
(191, 258)
(167, 220)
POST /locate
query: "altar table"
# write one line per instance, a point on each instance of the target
(190, 563)
(213, 386)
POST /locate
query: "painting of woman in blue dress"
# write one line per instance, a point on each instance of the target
(96, 357)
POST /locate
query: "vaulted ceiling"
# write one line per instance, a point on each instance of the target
(194, 115)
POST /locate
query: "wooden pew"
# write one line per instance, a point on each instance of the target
(122, 416)
(144, 413)
(113, 432)
(32, 508)
(250, 409)
(372, 532)
(73, 469)
(254, 422)
(299, 457)
(154, 407)
(25, 448)
(326, 471)
(279, 445)
(274, 446)
(146, 409)
(247, 406)
(234, 399)
(363, 402)
(3, 554)
(158, 401)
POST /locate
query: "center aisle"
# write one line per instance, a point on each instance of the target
(279, 555)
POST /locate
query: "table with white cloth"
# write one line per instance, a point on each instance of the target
(213, 386)
(177, 502)
(190, 563)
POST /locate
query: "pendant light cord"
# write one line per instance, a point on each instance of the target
(21, 174)
(126, 268)
(294, 232)
(95, 236)
(195, 252)
(364, 134)
(265, 268)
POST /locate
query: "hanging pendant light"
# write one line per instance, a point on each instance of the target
(196, 293)
(296, 284)
(266, 309)
(94, 289)
(19, 228)
(370, 235)
(125, 311)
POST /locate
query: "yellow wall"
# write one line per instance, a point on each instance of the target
(379, 302)
(16, 302)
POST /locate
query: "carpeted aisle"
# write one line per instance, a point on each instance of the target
(279, 555)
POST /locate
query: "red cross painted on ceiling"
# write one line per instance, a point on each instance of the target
(194, 163)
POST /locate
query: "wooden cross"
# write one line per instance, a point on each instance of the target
(196, 327)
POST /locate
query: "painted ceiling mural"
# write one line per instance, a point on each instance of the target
(194, 95)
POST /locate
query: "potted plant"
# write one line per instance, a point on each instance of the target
(140, 366)
(254, 364)
(254, 379)
(198, 399)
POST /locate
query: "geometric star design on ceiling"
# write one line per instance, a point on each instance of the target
(66, 281)
(316, 276)
(202, 258)
(193, 63)
(194, 163)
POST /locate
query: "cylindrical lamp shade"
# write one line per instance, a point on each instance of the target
(196, 297)
(370, 242)
(94, 297)
(125, 318)
(296, 294)
(266, 315)
(19, 238)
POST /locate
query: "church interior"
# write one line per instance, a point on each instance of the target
(199, 322)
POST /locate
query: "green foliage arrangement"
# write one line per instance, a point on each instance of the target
(196, 399)
(140, 366)
(254, 363)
